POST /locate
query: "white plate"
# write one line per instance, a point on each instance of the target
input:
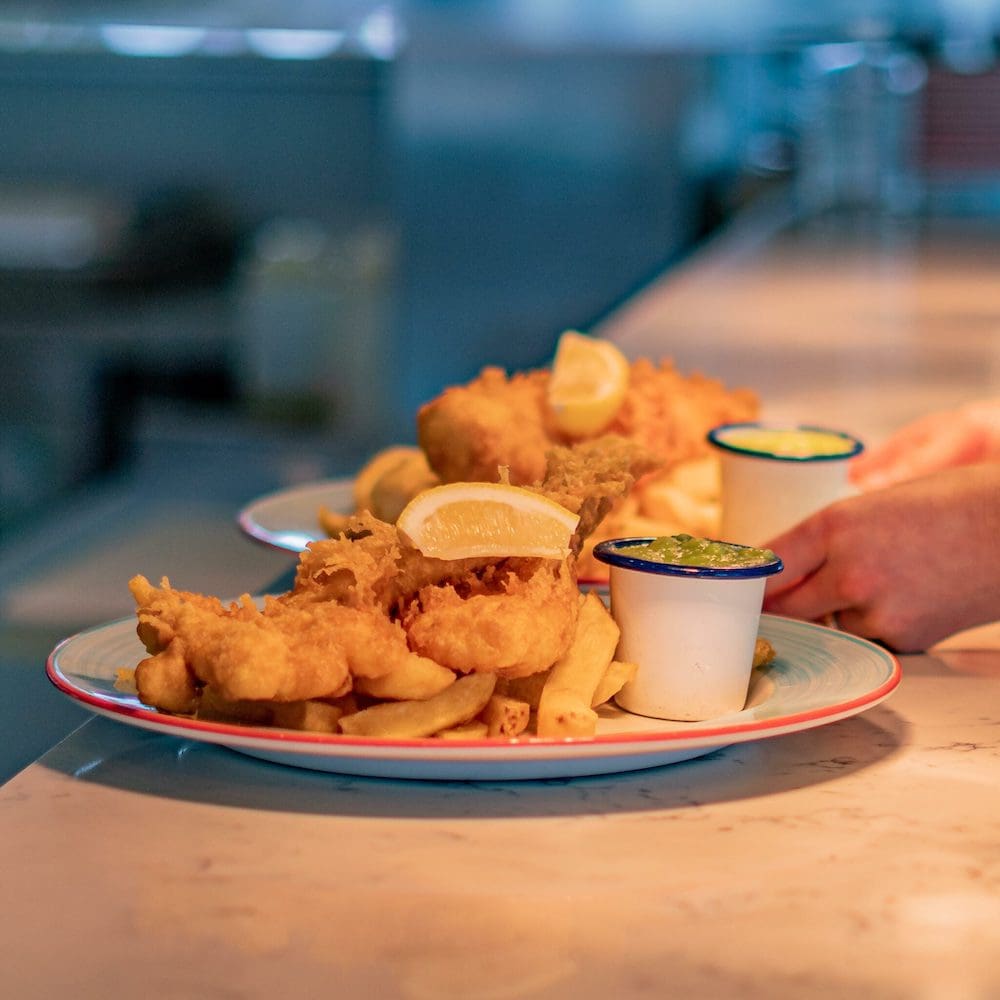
(289, 519)
(818, 677)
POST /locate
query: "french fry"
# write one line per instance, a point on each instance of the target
(665, 502)
(456, 704)
(332, 522)
(213, 706)
(527, 689)
(699, 478)
(375, 468)
(564, 709)
(417, 680)
(505, 716)
(474, 730)
(308, 716)
(618, 674)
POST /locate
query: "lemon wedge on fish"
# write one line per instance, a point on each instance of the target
(587, 385)
(466, 520)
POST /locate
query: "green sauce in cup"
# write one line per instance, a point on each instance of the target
(687, 550)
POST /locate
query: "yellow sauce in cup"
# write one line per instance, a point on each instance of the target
(788, 442)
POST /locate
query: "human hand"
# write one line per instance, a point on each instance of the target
(907, 565)
(937, 441)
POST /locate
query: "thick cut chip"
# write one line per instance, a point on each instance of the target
(309, 716)
(588, 384)
(415, 679)
(618, 674)
(564, 709)
(381, 463)
(456, 704)
(527, 689)
(464, 520)
(506, 716)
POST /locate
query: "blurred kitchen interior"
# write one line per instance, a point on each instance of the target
(274, 227)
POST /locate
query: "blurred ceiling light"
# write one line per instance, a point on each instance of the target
(294, 43)
(224, 42)
(151, 39)
(381, 34)
(23, 35)
(835, 56)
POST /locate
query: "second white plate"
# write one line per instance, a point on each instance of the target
(289, 519)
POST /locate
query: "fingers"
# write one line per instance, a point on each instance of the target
(882, 462)
(802, 550)
(812, 599)
(937, 442)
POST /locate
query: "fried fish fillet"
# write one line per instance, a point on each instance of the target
(291, 649)
(508, 623)
(500, 420)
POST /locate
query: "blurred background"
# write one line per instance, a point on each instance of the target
(241, 242)
(313, 219)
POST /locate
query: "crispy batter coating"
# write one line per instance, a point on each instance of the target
(370, 565)
(292, 649)
(591, 477)
(670, 414)
(496, 420)
(515, 621)
(469, 431)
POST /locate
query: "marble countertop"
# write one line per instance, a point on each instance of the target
(858, 858)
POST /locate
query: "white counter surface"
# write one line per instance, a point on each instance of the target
(857, 859)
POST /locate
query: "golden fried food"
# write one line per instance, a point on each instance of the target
(315, 716)
(618, 674)
(505, 716)
(496, 420)
(368, 615)
(506, 425)
(564, 708)
(392, 478)
(593, 477)
(469, 431)
(505, 624)
(671, 414)
(763, 653)
(505, 421)
(378, 639)
(383, 487)
(458, 704)
(417, 679)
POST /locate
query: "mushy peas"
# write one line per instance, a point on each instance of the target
(687, 550)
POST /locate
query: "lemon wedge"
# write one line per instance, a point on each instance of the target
(465, 520)
(587, 385)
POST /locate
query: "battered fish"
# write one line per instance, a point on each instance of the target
(496, 420)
